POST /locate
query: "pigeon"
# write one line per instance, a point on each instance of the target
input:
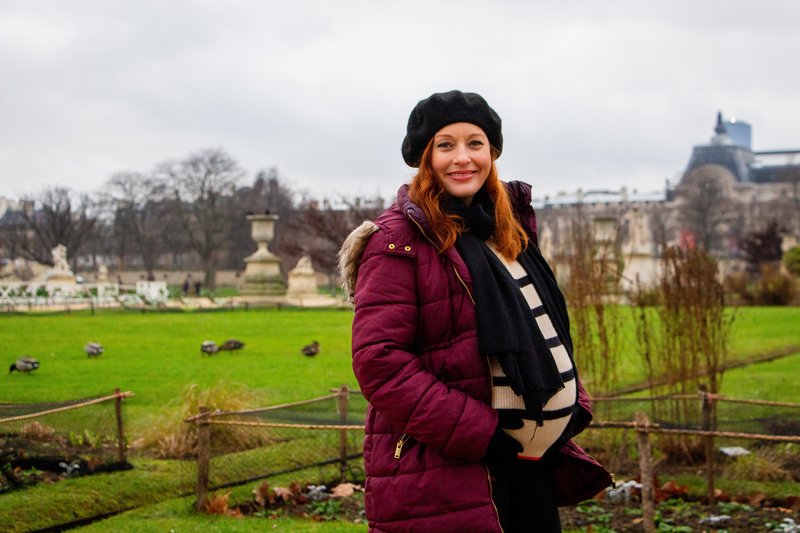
(310, 349)
(24, 364)
(93, 349)
(209, 347)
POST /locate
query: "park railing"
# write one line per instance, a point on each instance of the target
(243, 446)
(236, 447)
(758, 420)
(47, 441)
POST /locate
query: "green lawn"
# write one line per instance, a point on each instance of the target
(754, 331)
(157, 355)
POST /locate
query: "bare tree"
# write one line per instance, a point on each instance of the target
(202, 186)
(319, 228)
(763, 246)
(268, 194)
(706, 209)
(13, 233)
(139, 213)
(595, 265)
(60, 218)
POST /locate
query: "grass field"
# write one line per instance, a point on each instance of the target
(158, 355)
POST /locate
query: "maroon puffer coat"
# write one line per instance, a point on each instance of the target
(416, 358)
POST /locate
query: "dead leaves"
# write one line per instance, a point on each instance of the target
(218, 504)
(267, 497)
(263, 496)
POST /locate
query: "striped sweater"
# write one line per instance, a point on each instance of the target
(536, 440)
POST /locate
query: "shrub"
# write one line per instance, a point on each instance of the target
(771, 287)
(38, 432)
(774, 287)
(168, 436)
(736, 285)
(791, 259)
(757, 467)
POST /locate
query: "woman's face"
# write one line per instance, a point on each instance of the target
(461, 159)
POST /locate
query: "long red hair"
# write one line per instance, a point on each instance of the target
(427, 192)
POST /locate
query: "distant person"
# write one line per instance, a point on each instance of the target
(187, 284)
(461, 343)
(197, 286)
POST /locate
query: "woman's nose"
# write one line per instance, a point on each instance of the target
(461, 155)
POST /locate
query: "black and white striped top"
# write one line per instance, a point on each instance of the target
(536, 440)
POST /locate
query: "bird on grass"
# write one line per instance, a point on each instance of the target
(231, 345)
(209, 347)
(93, 349)
(24, 364)
(310, 349)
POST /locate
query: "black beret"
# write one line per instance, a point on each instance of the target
(440, 109)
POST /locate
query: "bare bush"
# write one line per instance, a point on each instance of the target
(594, 268)
(684, 338)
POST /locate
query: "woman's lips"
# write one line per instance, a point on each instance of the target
(462, 174)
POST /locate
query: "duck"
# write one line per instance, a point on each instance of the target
(232, 344)
(24, 364)
(310, 349)
(209, 347)
(93, 349)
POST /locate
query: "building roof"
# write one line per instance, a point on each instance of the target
(746, 165)
(595, 197)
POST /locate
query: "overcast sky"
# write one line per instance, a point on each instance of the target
(593, 94)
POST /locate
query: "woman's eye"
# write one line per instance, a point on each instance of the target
(476, 143)
(444, 145)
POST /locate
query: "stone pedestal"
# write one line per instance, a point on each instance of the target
(57, 281)
(262, 276)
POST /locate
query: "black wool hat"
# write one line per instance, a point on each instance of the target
(440, 109)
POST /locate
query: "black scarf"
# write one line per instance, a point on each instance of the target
(507, 328)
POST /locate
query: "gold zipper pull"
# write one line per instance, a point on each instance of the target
(399, 448)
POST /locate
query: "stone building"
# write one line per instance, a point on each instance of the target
(726, 191)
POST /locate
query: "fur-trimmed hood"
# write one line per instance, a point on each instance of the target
(350, 255)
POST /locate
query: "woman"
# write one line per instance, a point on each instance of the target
(461, 343)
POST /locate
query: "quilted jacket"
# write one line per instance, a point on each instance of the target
(416, 358)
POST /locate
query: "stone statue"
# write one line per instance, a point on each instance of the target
(102, 273)
(60, 263)
(302, 279)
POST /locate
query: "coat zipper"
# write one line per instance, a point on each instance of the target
(491, 497)
(398, 449)
(464, 283)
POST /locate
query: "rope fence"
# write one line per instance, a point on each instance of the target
(248, 445)
(229, 448)
(49, 441)
(704, 426)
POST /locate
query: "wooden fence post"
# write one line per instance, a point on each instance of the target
(646, 473)
(708, 412)
(121, 447)
(203, 454)
(343, 406)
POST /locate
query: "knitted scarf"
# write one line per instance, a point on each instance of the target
(507, 328)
